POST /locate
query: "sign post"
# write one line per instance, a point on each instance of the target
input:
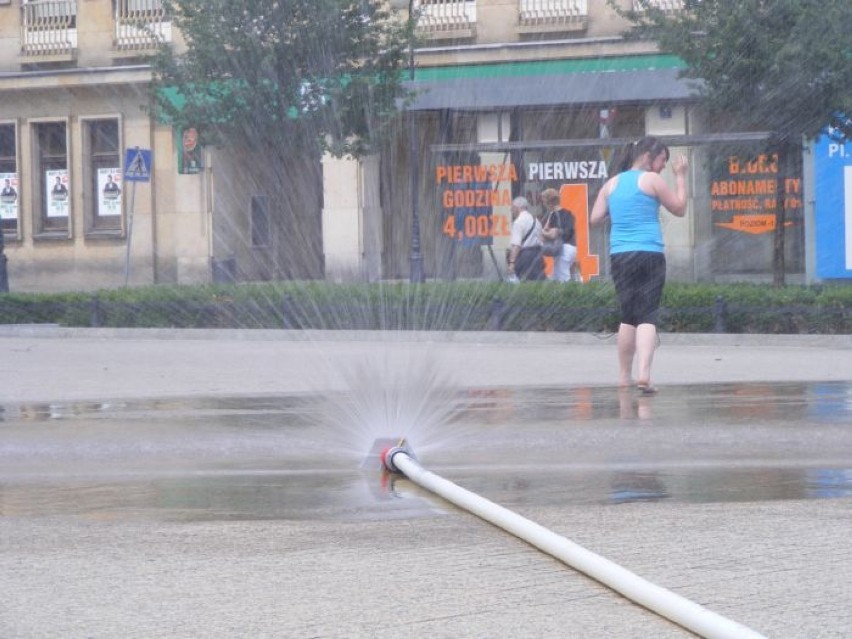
(137, 168)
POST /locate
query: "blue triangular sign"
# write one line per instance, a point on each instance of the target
(138, 165)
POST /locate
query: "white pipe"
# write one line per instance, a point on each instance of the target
(680, 610)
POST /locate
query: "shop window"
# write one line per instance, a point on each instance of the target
(104, 195)
(52, 185)
(10, 186)
(259, 221)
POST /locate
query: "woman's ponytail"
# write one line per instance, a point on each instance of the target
(637, 148)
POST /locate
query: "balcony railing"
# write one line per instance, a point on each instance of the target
(669, 6)
(140, 25)
(551, 11)
(48, 27)
(553, 15)
(446, 18)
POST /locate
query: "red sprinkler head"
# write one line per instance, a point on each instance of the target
(374, 460)
(387, 455)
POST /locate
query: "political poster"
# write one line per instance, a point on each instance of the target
(56, 195)
(9, 197)
(109, 191)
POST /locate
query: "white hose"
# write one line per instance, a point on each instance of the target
(680, 610)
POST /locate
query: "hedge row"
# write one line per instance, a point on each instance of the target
(461, 306)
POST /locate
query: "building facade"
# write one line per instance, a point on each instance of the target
(550, 90)
(510, 97)
(99, 194)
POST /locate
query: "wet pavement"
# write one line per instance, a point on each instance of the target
(281, 458)
(251, 515)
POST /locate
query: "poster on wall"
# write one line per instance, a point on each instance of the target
(109, 191)
(746, 196)
(9, 196)
(56, 185)
(469, 193)
(189, 152)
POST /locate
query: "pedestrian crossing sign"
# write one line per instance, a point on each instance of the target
(137, 165)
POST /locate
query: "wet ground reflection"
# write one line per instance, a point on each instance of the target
(277, 458)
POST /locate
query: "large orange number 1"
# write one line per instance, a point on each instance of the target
(575, 198)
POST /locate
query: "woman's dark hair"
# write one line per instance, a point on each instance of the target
(648, 144)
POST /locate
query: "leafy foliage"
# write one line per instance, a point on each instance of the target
(298, 74)
(783, 66)
(438, 306)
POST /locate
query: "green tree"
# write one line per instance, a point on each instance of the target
(294, 75)
(273, 84)
(781, 66)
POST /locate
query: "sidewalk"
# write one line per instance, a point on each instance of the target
(152, 550)
(49, 363)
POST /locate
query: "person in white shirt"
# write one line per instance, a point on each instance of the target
(525, 261)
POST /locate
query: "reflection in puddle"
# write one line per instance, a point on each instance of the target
(275, 457)
(829, 483)
(350, 496)
(637, 486)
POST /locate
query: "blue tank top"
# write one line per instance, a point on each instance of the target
(635, 217)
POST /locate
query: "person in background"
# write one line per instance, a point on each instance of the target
(631, 199)
(524, 258)
(559, 223)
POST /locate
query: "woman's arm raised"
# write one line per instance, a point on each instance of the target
(674, 201)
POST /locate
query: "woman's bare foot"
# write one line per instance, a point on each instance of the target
(645, 388)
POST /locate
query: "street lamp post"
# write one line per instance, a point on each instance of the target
(4, 274)
(416, 274)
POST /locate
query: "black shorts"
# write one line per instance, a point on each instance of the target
(639, 277)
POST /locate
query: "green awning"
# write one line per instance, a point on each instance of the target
(588, 81)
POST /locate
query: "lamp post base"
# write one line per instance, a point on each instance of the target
(417, 276)
(4, 275)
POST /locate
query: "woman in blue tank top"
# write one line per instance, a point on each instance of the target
(631, 199)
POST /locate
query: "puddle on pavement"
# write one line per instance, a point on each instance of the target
(276, 457)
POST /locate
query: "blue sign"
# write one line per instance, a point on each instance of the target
(137, 165)
(833, 207)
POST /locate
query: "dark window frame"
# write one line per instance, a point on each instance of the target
(101, 138)
(9, 163)
(50, 141)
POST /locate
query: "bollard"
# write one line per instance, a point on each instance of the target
(286, 302)
(95, 319)
(498, 309)
(720, 312)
